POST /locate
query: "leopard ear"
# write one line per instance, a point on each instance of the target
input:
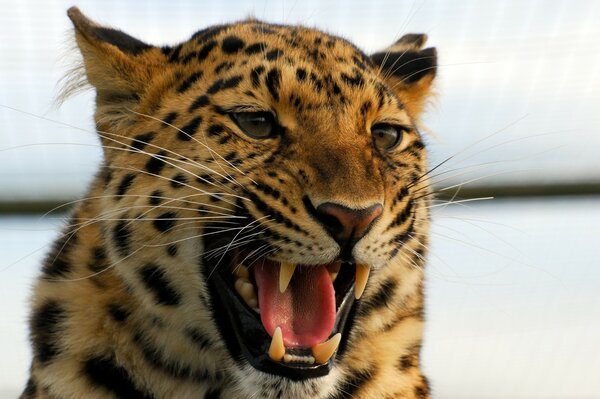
(409, 70)
(117, 65)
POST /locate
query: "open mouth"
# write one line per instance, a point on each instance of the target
(285, 319)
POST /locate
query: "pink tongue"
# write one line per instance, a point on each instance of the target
(305, 312)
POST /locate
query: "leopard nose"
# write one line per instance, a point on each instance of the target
(347, 224)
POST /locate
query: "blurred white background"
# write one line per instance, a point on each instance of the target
(513, 284)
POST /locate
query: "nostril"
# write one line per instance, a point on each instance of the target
(345, 223)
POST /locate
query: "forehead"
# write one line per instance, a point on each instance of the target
(317, 64)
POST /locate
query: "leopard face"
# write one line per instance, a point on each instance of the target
(263, 199)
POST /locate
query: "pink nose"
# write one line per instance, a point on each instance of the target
(345, 223)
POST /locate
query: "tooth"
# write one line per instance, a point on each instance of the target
(362, 275)
(333, 270)
(277, 350)
(242, 271)
(322, 352)
(286, 271)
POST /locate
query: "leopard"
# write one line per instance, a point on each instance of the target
(257, 227)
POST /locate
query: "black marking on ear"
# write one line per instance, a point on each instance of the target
(353, 383)
(273, 80)
(165, 221)
(155, 198)
(206, 49)
(414, 39)
(189, 81)
(121, 40)
(255, 48)
(30, 389)
(255, 75)
(46, 329)
(186, 132)
(199, 102)
(125, 184)
(169, 119)
(140, 141)
(208, 33)
(118, 312)
(121, 237)
(156, 281)
(106, 373)
(410, 66)
(232, 44)
(156, 163)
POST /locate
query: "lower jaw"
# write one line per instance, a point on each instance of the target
(247, 340)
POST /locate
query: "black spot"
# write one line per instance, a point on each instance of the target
(232, 44)
(189, 57)
(300, 74)
(186, 132)
(155, 198)
(139, 142)
(205, 178)
(199, 338)
(155, 164)
(403, 216)
(174, 56)
(179, 180)
(118, 313)
(255, 48)
(199, 102)
(352, 384)
(356, 80)
(273, 79)
(30, 390)
(380, 299)
(121, 237)
(215, 130)
(169, 118)
(208, 33)
(232, 82)
(255, 75)
(223, 67)
(46, 330)
(215, 393)
(206, 49)
(125, 184)
(172, 250)
(155, 280)
(215, 87)
(104, 372)
(57, 263)
(274, 54)
(187, 83)
(165, 221)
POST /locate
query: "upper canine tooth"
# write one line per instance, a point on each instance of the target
(277, 349)
(362, 275)
(286, 271)
(242, 271)
(322, 352)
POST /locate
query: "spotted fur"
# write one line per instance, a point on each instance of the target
(122, 307)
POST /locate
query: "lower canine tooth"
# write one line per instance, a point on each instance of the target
(322, 352)
(362, 275)
(286, 271)
(277, 350)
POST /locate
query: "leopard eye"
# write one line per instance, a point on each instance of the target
(386, 137)
(259, 125)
